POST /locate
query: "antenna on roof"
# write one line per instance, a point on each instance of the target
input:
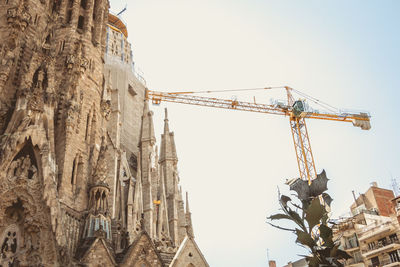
(395, 186)
(123, 10)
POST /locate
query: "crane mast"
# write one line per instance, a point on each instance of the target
(301, 141)
(294, 109)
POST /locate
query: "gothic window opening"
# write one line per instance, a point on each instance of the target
(131, 90)
(133, 162)
(69, 16)
(81, 21)
(97, 196)
(48, 39)
(93, 130)
(56, 5)
(84, 4)
(96, 6)
(35, 22)
(87, 126)
(62, 46)
(74, 171)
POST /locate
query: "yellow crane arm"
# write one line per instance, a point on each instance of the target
(295, 110)
(361, 120)
(187, 98)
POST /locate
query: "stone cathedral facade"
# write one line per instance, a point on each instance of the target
(82, 181)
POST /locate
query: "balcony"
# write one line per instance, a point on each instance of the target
(374, 230)
(386, 263)
(351, 247)
(353, 261)
(389, 245)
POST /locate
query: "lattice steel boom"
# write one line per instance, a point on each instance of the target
(295, 110)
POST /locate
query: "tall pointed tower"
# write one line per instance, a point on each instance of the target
(81, 181)
(51, 117)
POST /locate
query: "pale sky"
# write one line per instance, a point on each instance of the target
(343, 52)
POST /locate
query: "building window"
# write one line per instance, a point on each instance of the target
(131, 90)
(371, 245)
(393, 238)
(375, 262)
(382, 242)
(352, 242)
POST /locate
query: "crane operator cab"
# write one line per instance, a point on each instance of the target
(299, 108)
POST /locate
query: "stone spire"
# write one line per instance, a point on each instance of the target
(162, 216)
(147, 131)
(168, 164)
(98, 199)
(100, 173)
(146, 148)
(189, 226)
(148, 206)
(135, 204)
(168, 149)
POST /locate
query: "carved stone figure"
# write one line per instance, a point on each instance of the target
(33, 169)
(13, 167)
(9, 246)
(25, 166)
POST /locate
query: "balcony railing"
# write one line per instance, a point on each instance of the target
(389, 261)
(375, 229)
(379, 245)
(384, 263)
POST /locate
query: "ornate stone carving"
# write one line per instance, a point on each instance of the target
(7, 57)
(105, 106)
(22, 168)
(19, 17)
(84, 64)
(36, 101)
(100, 173)
(9, 246)
(76, 60)
(70, 61)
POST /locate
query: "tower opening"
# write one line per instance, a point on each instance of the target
(81, 22)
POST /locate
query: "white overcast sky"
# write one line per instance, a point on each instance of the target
(343, 52)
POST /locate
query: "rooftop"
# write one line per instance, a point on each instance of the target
(117, 24)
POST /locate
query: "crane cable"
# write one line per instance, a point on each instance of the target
(229, 90)
(313, 99)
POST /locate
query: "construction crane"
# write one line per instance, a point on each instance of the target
(297, 111)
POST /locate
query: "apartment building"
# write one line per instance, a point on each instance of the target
(371, 233)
